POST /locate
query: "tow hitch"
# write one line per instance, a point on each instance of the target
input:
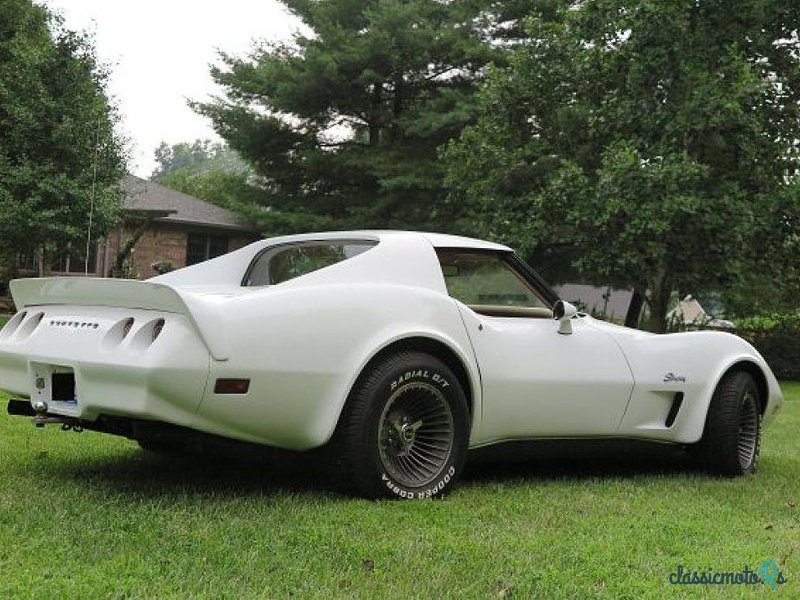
(40, 417)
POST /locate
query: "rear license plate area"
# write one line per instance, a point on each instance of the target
(63, 387)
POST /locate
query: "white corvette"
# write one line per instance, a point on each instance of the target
(396, 351)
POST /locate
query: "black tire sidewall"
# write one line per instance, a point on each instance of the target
(718, 449)
(417, 368)
(751, 387)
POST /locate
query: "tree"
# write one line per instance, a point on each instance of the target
(344, 123)
(60, 159)
(198, 157)
(649, 143)
(772, 285)
(211, 171)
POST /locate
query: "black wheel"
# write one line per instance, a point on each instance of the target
(732, 437)
(404, 431)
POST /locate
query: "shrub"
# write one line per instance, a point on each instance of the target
(777, 338)
(163, 266)
(7, 306)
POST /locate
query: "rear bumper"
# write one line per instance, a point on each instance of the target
(137, 375)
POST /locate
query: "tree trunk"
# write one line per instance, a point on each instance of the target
(659, 305)
(374, 122)
(397, 106)
(634, 309)
(41, 262)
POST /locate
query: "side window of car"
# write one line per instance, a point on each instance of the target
(489, 284)
(276, 265)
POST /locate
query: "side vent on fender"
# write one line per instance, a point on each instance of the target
(673, 410)
(232, 386)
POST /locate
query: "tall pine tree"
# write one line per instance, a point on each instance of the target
(344, 122)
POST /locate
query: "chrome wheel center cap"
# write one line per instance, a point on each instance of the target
(407, 433)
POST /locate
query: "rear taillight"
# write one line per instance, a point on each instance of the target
(23, 325)
(33, 323)
(12, 325)
(157, 328)
(126, 329)
(135, 336)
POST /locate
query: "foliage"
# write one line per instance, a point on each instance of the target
(773, 284)
(566, 524)
(163, 266)
(58, 149)
(760, 291)
(199, 157)
(344, 121)
(770, 322)
(777, 338)
(210, 171)
(647, 143)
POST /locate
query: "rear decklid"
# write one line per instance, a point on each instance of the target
(202, 310)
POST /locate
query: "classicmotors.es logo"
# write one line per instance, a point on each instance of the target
(768, 573)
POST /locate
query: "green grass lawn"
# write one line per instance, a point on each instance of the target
(87, 515)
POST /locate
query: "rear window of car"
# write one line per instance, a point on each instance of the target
(283, 263)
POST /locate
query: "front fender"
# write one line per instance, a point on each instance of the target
(692, 364)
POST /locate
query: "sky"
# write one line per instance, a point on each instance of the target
(159, 52)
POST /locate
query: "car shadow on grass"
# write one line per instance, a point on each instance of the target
(576, 459)
(264, 473)
(154, 474)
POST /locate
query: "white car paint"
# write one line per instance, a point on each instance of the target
(303, 343)
(576, 384)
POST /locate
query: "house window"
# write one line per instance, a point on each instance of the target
(200, 247)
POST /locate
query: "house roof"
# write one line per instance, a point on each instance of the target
(145, 196)
(689, 310)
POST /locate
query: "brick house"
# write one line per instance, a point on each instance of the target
(171, 227)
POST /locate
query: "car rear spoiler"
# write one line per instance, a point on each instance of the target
(202, 311)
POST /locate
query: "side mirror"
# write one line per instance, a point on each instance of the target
(563, 312)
